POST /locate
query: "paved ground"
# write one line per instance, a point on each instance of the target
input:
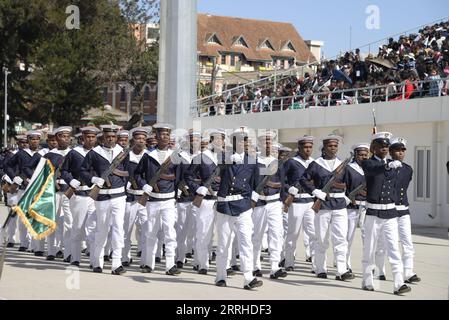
(28, 277)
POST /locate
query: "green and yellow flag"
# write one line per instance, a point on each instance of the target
(36, 208)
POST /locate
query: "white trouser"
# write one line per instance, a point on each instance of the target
(353, 219)
(338, 221)
(24, 236)
(128, 225)
(142, 218)
(387, 229)
(265, 239)
(306, 241)
(68, 224)
(379, 258)
(191, 234)
(205, 218)
(55, 240)
(299, 214)
(183, 225)
(11, 230)
(405, 237)
(161, 214)
(110, 214)
(269, 216)
(243, 227)
(91, 224)
(138, 234)
(81, 208)
(234, 250)
(285, 225)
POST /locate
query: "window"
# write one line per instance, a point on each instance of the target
(214, 40)
(266, 45)
(240, 42)
(152, 33)
(289, 47)
(233, 58)
(423, 173)
(105, 94)
(146, 94)
(223, 58)
(122, 95)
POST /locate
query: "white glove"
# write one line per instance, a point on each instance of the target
(18, 180)
(7, 179)
(147, 189)
(293, 191)
(255, 196)
(98, 181)
(236, 158)
(395, 164)
(75, 184)
(348, 201)
(202, 191)
(128, 185)
(319, 194)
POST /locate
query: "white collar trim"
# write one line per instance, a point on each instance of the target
(324, 164)
(211, 155)
(115, 152)
(154, 154)
(356, 167)
(305, 163)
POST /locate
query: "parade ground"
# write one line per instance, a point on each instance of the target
(28, 277)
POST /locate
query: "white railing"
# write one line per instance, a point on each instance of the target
(374, 94)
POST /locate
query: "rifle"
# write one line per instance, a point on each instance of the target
(153, 182)
(318, 202)
(290, 198)
(208, 184)
(11, 214)
(272, 169)
(183, 187)
(111, 170)
(356, 191)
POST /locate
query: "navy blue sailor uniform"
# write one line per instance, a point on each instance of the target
(299, 213)
(200, 170)
(134, 214)
(110, 204)
(333, 214)
(82, 206)
(269, 213)
(381, 222)
(234, 210)
(161, 209)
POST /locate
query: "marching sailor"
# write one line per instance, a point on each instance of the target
(355, 178)
(123, 138)
(111, 201)
(381, 215)
(234, 209)
(81, 205)
(161, 206)
(299, 213)
(333, 213)
(269, 209)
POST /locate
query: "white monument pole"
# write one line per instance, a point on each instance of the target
(177, 62)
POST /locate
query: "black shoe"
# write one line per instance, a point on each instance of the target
(146, 269)
(139, 254)
(87, 254)
(67, 260)
(235, 268)
(59, 255)
(282, 263)
(189, 255)
(237, 256)
(158, 260)
(261, 258)
(404, 289)
(106, 258)
(202, 271)
(50, 258)
(98, 270)
(173, 271)
(84, 250)
(214, 256)
(22, 249)
(253, 284)
(10, 245)
(75, 263)
(382, 278)
(230, 272)
(412, 279)
(345, 276)
(322, 275)
(125, 263)
(195, 268)
(179, 264)
(309, 259)
(91, 266)
(39, 253)
(278, 274)
(119, 271)
(290, 269)
(367, 288)
(313, 271)
(220, 283)
(257, 273)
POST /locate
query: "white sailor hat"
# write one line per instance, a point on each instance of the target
(63, 129)
(266, 133)
(398, 143)
(192, 133)
(78, 135)
(161, 126)
(33, 133)
(90, 129)
(242, 131)
(109, 128)
(140, 130)
(383, 137)
(359, 146)
(306, 139)
(217, 131)
(285, 149)
(21, 137)
(123, 134)
(331, 137)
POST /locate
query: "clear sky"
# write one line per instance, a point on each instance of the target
(331, 21)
